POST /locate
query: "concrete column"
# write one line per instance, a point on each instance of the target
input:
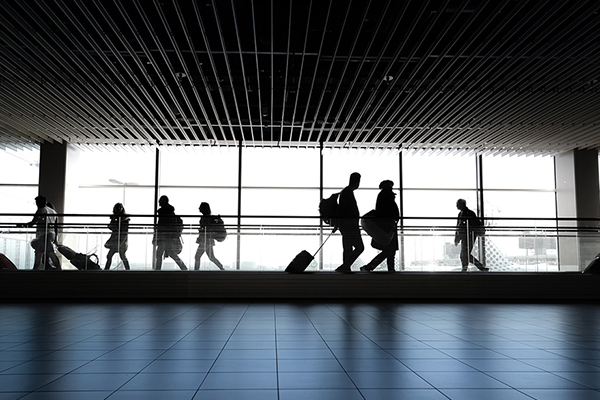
(53, 168)
(578, 196)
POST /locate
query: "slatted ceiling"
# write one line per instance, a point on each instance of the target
(452, 76)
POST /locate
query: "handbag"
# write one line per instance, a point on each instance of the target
(378, 228)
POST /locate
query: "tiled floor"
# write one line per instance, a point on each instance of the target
(299, 351)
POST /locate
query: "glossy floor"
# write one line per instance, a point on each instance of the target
(299, 351)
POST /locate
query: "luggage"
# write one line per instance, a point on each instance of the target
(300, 262)
(303, 259)
(217, 228)
(380, 229)
(594, 266)
(6, 264)
(328, 210)
(80, 260)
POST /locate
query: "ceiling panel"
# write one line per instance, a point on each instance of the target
(457, 76)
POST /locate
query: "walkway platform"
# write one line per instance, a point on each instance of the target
(190, 285)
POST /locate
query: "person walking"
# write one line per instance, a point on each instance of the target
(348, 223)
(387, 214)
(167, 235)
(46, 232)
(118, 240)
(205, 241)
(466, 233)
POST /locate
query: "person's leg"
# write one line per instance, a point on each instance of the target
(54, 258)
(197, 256)
(109, 257)
(357, 246)
(374, 263)
(160, 251)
(176, 258)
(472, 258)
(123, 256)
(211, 256)
(37, 259)
(464, 254)
(391, 261)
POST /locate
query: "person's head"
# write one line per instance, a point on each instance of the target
(461, 204)
(118, 209)
(204, 208)
(163, 200)
(40, 201)
(386, 185)
(354, 180)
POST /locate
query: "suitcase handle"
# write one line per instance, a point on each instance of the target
(325, 241)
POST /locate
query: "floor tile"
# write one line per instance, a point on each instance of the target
(590, 380)
(309, 351)
(461, 380)
(314, 380)
(165, 366)
(487, 394)
(562, 394)
(25, 382)
(241, 380)
(388, 380)
(250, 394)
(445, 365)
(165, 381)
(87, 382)
(244, 365)
(153, 395)
(402, 394)
(320, 394)
(87, 395)
(46, 367)
(500, 365)
(373, 365)
(112, 366)
(535, 380)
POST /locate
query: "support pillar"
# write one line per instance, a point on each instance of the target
(577, 196)
(53, 168)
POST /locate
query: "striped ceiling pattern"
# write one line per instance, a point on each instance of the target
(475, 76)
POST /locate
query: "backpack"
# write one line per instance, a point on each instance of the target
(217, 228)
(177, 224)
(328, 209)
(479, 228)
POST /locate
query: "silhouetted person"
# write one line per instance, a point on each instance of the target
(46, 222)
(465, 234)
(348, 217)
(167, 237)
(118, 240)
(205, 241)
(388, 213)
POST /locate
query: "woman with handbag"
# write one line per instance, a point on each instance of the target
(388, 214)
(117, 242)
(205, 240)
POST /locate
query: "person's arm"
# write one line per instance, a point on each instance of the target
(36, 219)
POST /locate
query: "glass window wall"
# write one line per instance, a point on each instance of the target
(432, 184)
(280, 200)
(19, 177)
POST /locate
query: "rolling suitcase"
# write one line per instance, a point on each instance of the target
(593, 267)
(6, 264)
(304, 258)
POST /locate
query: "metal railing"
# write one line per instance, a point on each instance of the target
(269, 243)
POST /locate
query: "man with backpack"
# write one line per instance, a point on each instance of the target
(46, 232)
(167, 234)
(348, 223)
(467, 227)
